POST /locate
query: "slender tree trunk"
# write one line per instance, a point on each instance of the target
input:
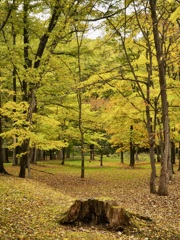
(158, 150)
(15, 159)
(153, 170)
(29, 158)
(35, 155)
(151, 137)
(179, 156)
(91, 152)
(173, 155)
(2, 169)
(132, 150)
(163, 181)
(63, 155)
(51, 154)
(79, 40)
(151, 126)
(27, 64)
(15, 152)
(122, 154)
(170, 165)
(101, 157)
(82, 137)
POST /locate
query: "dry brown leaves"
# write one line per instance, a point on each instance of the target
(130, 188)
(30, 208)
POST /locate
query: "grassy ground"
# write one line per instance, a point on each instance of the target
(30, 208)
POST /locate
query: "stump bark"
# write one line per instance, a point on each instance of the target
(104, 213)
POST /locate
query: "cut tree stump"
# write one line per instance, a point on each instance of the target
(104, 213)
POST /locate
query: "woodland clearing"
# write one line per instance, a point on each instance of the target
(30, 208)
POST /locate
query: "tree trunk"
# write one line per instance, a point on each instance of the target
(122, 156)
(82, 158)
(170, 165)
(35, 155)
(179, 157)
(15, 152)
(5, 155)
(51, 154)
(158, 152)
(173, 152)
(151, 137)
(24, 158)
(29, 94)
(2, 169)
(132, 150)
(80, 102)
(63, 155)
(163, 181)
(91, 152)
(101, 157)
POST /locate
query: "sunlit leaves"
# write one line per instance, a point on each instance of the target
(175, 15)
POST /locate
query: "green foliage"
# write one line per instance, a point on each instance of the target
(110, 74)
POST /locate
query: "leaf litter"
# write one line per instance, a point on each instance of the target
(30, 208)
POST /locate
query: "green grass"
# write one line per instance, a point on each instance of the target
(74, 165)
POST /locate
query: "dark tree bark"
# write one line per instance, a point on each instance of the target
(2, 169)
(101, 157)
(24, 158)
(122, 156)
(9, 8)
(173, 155)
(63, 155)
(158, 152)
(104, 213)
(151, 137)
(179, 157)
(29, 94)
(79, 40)
(15, 150)
(132, 149)
(51, 154)
(33, 155)
(163, 181)
(91, 152)
(6, 155)
(173, 152)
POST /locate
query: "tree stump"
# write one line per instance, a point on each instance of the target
(104, 213)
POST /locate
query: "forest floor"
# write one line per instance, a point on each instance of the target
(30, 208)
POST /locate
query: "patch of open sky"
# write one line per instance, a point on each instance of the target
(95, 30)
